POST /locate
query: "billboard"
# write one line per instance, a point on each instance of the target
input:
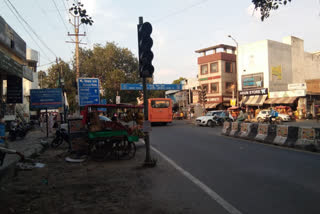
(252, 81)
(14, 89)
(276, 72)
(50, 98)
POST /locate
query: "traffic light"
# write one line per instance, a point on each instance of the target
(146, 68)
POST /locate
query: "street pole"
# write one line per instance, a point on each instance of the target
(148, 162)
(237, 68)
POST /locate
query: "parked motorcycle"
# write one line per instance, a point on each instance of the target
(16, 130)
(61, 135)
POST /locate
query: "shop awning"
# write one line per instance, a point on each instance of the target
(256, 100)
(282, 100)
(212, 105)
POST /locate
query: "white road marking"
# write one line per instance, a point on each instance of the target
(227, 206)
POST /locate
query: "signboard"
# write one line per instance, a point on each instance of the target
(104, 102)
(233, 102)
(50, 98)
(117, 99)
(10, 66)
(280, 94)
(88, 89)
(276, 72)
(252, 80)
(10, 39)
(297, 86)
(129, 86)
(14, 89)
(254, 92)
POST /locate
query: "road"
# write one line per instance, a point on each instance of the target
(252, 177)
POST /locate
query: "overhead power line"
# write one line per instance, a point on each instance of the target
(46, 56)
(180, 11)
(29, 26)
(54, 2)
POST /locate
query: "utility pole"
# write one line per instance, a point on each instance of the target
(76, 24)
(237, 67)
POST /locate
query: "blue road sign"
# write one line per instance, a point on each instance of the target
(129, 86)
(46, 98)
(104, 102)
(88, 89)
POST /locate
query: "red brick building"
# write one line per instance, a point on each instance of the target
(217, 73)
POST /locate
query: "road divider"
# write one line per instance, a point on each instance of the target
(290, 136)
(307, 139)
(226, 128)
(248, 130)
(235, 129)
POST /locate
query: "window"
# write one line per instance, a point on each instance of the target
(229, 87)
(214, 87)
(228, 68)
(160, 104)
(204, 69)
(214, 67)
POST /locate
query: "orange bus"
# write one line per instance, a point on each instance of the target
(160, 110)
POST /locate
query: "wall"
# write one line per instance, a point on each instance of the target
(253, 58)
(280, 59)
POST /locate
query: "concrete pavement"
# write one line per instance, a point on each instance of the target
(29, 145)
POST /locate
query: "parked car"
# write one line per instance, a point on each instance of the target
(263, 114)
(209, 118)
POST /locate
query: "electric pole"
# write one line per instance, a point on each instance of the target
(76, 24)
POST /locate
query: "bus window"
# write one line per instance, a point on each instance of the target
(160, 104)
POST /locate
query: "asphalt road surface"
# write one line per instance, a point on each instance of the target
(252, 177)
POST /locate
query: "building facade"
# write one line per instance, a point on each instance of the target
(13, 68)
(268, 71)
(217, 74)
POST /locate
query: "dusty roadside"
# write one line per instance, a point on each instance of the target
(94, 187)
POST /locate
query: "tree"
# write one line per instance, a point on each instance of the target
(202, 93)
(266, 6)
(42, 76)
(52, 81)
(177, 81)
(113, 65)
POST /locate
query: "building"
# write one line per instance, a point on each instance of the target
(269, 69)
(217, 74)
(12, 70)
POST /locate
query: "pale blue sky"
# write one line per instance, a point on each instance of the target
(180, 27)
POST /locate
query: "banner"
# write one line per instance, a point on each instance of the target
(276, 72)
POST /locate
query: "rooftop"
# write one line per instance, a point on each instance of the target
(216, 47)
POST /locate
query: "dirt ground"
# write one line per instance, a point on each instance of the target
(73, 188)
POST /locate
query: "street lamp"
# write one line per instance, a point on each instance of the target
(237, 58)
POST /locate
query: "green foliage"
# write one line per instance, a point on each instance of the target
(42, 76)
(177, 81)
(266, 6)
(112, 65)
(77, 10)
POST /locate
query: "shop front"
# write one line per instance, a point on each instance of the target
(253, 100)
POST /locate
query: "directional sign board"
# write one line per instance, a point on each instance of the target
(129, 86)
(88, 89)
(46, 98)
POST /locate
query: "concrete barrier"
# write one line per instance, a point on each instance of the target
(272, 133)
(307, 139)
(281, 135)
(226, 128)
(248, 130)
(262, 132)
(235, 128)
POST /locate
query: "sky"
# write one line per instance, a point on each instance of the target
(179, 27)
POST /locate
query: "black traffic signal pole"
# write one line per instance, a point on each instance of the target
(148, 161)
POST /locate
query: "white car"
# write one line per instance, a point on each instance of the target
(208, 119)
(264, 113)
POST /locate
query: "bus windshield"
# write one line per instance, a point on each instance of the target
(160, 104)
